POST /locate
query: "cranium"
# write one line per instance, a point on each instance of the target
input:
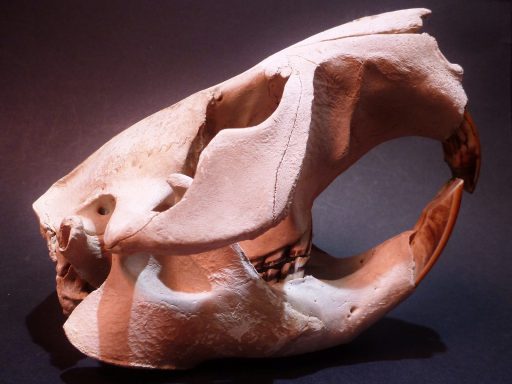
(188, 236)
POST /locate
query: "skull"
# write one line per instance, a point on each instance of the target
(188, 236)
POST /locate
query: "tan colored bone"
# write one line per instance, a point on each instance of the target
(195, 223)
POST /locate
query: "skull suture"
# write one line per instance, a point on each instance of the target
(188, 236)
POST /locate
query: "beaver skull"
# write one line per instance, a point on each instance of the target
(188, 236)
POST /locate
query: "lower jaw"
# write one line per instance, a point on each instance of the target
(290, 262)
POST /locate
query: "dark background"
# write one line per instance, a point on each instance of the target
(73, 74)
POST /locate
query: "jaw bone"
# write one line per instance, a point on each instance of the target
(200, 215)
(141, 317)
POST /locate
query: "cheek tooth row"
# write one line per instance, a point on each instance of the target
(288, 261)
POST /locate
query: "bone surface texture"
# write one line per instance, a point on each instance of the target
(188, 236)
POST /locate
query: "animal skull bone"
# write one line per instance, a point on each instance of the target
(188, 236)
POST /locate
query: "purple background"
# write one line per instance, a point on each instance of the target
(73, 74)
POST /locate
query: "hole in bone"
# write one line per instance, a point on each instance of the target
(96, 213)
(103, 211)
(351, 312)
(105, 204)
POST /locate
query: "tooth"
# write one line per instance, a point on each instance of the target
(434, 227)
(357, 292)
(462, 152)
(378, 279)
(285, 269)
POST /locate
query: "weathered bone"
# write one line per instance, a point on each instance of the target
(192, 229)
